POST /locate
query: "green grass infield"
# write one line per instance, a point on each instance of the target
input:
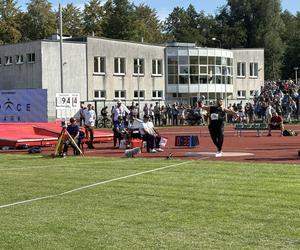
(115, 203)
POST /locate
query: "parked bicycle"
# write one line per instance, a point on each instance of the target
(104, 122)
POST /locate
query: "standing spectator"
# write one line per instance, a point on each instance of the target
(157, 114)
(81, 113)
(89, 124)
(151, 112)
(174, 115)
(169, 114)
(164, 115)
(117, 112)
(146, 110)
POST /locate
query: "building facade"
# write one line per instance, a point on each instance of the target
(105, 70)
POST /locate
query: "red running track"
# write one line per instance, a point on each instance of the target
(274, 149)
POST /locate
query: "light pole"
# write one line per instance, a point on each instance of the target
(215, 39)
(296, 74)
(138, 78)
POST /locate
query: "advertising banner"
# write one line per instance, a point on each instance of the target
(23, 105)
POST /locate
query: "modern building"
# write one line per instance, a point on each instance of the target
(211, 73)
(103, 70)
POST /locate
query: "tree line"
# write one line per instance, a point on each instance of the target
(238, 24)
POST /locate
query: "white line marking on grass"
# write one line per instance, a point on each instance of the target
(93, 185)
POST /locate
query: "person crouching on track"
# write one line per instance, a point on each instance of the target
(217, 116)
(276, 122)
(150, 135)
(74, 132)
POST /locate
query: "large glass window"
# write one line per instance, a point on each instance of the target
(211, 60)
(203, 70)
(172, 60)
(194, 60)
(203, 60)
(218, 61)
(183, 60)
(172, 79)
(183, 79)
(253, 69)
(184, 69)
(194, 79)
(203, 79)
(194, 70)
(119, 66)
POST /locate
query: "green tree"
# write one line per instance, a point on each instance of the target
(254, 24)
(146, 25)
(119, 23)
(93, 18)
(291, 38)
(190, 26)
(40, 21)
(9, 22)
(72, 20)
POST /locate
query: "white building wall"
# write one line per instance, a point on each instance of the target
(110, 82)
(247, 83)
(74, 71)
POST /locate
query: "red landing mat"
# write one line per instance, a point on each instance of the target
(14, 135)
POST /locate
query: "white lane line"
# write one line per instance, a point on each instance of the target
(93, 185)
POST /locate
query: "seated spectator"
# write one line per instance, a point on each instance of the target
(150, 135)
(118, 128)
(76, 134)
(276, 122)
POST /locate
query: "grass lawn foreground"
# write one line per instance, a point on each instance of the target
(192, 204)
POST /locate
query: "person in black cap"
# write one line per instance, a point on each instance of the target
(217, 117)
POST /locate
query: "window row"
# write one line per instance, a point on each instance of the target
(202, 79)
(241, 94)
(121, 94)
(120, 66)
(241, 69)
(200, 70)
(18, 59)
(199, 60)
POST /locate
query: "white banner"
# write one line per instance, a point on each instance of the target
(67, 105)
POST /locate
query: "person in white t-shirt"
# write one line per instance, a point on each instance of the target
(150, 135)
(89, 124)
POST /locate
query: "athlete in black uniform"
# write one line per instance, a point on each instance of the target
(217, 117)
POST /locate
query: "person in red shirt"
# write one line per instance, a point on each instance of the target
(276, 122)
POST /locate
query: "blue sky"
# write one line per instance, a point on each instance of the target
(164, 7)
